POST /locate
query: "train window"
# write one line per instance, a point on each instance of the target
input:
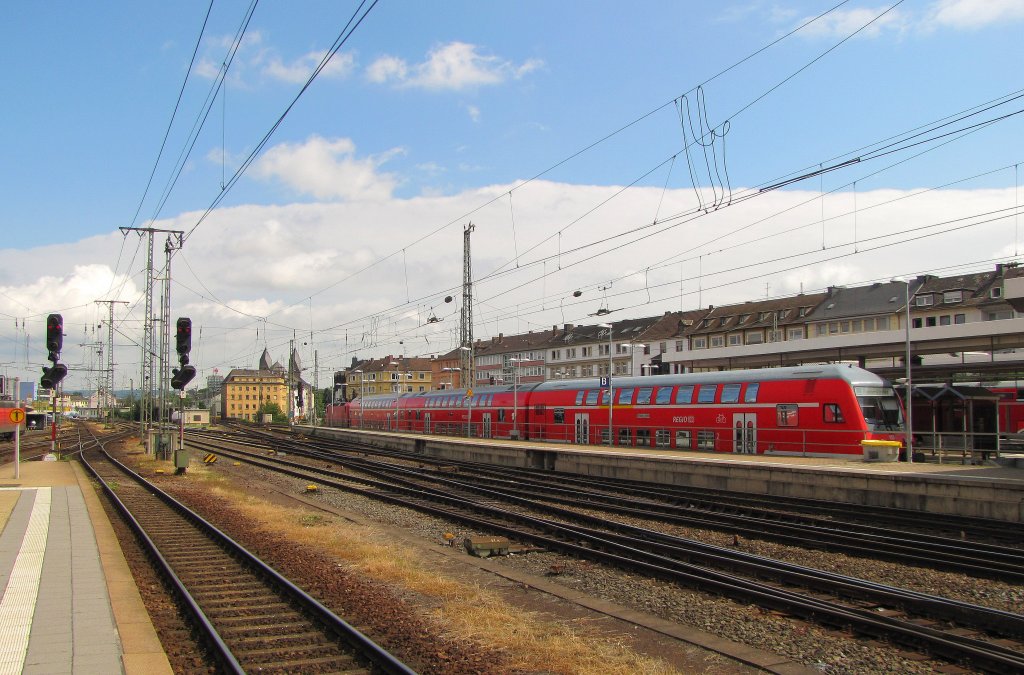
(705, 440)
(592, 396)
(706, 393)
(625, 396)
(750, 395)
(604, 436)
(539, 409)
(559, 415)
(786, 414)
(731, 393)
(684, 394)
(643, 437)
(832, 413)
(624, 438)
(663, 395)
(501, 414)
(580, 395)
(662, 438)
(643, 395)
(683, 439)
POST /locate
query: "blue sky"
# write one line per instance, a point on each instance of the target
(430, 110)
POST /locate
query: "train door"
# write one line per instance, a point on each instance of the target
(389, 422)
(744, 435)
(583, 429)
(426, 423)
(487, 425)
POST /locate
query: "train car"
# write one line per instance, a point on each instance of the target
(811, 411)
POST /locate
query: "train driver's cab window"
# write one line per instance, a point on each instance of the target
(706, 393)
(592, 396)
(750, 395)
(831, 413)
(663, 396)
(684, 394)
(786, 414)
(643, 395)
(683, 440)
(580, 396)
(625, 396)
(731, 393)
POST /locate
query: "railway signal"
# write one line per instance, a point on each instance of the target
(182, 376)
(183, 338)
(54, 336)
(53, 375)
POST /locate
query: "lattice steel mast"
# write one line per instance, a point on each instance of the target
(466, 316)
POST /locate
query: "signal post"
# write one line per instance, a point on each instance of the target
(53, 375)
(179, 378)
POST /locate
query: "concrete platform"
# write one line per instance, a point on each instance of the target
(69, 603)
(984, 491)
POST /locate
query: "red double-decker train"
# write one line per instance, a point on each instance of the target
(812, 411)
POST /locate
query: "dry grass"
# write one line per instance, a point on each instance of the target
(533, 642)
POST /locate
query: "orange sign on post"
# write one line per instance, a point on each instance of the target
(16, 415)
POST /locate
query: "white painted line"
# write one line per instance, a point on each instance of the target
(19, 602)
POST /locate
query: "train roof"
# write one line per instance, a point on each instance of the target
(851, 374)
(854, 375)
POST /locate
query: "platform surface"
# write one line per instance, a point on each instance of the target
(69, 603)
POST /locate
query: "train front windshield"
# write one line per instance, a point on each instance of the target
(881, 408)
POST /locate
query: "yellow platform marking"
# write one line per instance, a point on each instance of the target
(210, 458)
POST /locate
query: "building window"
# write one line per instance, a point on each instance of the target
(882, 323)
(923, 300)
(959, 318)
(917, 323)
(995, 292)
(735, 339)
(952, 296)
(795, 334)
(944, 320)
(663, 346)
(700, 343)
(755, 338)
(717, 341)
(679, 345)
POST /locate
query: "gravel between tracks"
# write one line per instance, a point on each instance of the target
(818, 648)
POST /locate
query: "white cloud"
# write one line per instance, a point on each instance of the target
(474, 112)
(299, 70)
(843, 22)
(970, 14)
(329, 169)
(344, 265)
(455, 66)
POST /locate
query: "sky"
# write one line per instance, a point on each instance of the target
(651, 156)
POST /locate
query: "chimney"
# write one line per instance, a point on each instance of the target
(568, 327)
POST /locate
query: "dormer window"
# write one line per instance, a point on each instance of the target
(995, 292)
(952, 296)
(923, 301)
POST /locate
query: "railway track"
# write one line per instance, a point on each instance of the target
(654, 504)
(960, 632)
(253, 619)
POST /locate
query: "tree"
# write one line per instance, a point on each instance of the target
(274, 409)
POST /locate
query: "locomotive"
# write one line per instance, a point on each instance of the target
(821, 410)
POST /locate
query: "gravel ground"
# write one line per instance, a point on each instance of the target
(818, 648)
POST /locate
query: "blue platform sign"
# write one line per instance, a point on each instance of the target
(604, 381)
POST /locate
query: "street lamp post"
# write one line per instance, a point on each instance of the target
(909, 403)
(515, 396)
(611, 390)
(361, 400)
